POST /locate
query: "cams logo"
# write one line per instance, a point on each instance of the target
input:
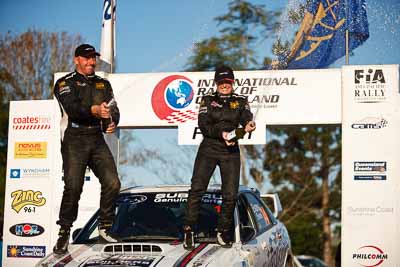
(26, 229)
(26, 251)
(171, 97)
(30, 150)
(31, 123)
(370, 86)
(370, 170)
(369, 256)
(23, 198)
(370, 123)
(29, 173)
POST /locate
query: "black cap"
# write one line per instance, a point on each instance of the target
(224, 73)
(86, 50)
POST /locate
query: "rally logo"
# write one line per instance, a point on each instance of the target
(370, 170)
(370, 86)
(26, 229)
(23, 198)
(30, 150)
(22, 251)
(369, 256)
(31, 123)
(171, 98)
(370, 123)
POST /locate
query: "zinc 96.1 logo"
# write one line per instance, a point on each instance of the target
(171, 98)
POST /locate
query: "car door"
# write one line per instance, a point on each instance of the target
(267, 235)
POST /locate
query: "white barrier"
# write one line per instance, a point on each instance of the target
(370, 205)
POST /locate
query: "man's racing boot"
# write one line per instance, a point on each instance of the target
(61, 246)
(188, 238)
(105, 235)
(224, 239)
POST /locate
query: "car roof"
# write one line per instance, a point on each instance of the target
(179, 188)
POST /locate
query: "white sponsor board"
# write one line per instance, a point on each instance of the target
(34, 183)
(275, 97)
(371, 170)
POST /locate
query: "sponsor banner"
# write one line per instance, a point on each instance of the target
(33, 148)
(276, 97)
(20, 173)
(26, 229)
(189, 134)
(30, 150)
(24, 251)
(370, 155)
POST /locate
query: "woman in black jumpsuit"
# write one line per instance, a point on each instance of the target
(220, 113)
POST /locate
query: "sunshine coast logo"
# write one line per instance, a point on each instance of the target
(171, 98)
(31, 122)
(23, 198)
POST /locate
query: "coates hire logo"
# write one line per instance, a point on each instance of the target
(22, 251)
(370, 170)
(31, 122)
(26, 229)
(369, 86)
(171, 97)
(369, 256)
(370, 123)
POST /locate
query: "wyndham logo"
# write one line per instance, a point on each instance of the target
(15, 173)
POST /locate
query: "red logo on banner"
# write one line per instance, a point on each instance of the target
(171, 98)
(369, 256)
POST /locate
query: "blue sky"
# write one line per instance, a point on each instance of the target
(157, 36)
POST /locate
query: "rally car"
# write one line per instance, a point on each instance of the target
(149, 222)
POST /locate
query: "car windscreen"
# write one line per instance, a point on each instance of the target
(157, 216)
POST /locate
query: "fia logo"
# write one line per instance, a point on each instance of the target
(370, 77)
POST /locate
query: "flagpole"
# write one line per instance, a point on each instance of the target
(112, 37)
(347, 32)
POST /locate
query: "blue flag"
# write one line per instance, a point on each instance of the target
(321, 39)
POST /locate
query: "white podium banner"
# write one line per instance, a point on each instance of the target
(277, 97)
(189, 134)
(371, 169)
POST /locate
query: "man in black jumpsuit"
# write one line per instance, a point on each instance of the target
(219, 114)
(83, 98)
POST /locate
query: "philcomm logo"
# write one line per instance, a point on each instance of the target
(23, 198)
(29, 173)
(171, 98)
(369, 86)
(40, 122)
(370, 123)
(370, 170)
(30, 150)
(26, 229)
(369, 256)
(22, 251)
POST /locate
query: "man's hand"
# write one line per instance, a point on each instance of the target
(250, 126)
(100, 111)
(227, 142)
(111, 128)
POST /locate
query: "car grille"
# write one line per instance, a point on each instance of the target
(132, 249)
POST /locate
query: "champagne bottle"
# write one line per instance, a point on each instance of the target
(236, 134)
(105, 122)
